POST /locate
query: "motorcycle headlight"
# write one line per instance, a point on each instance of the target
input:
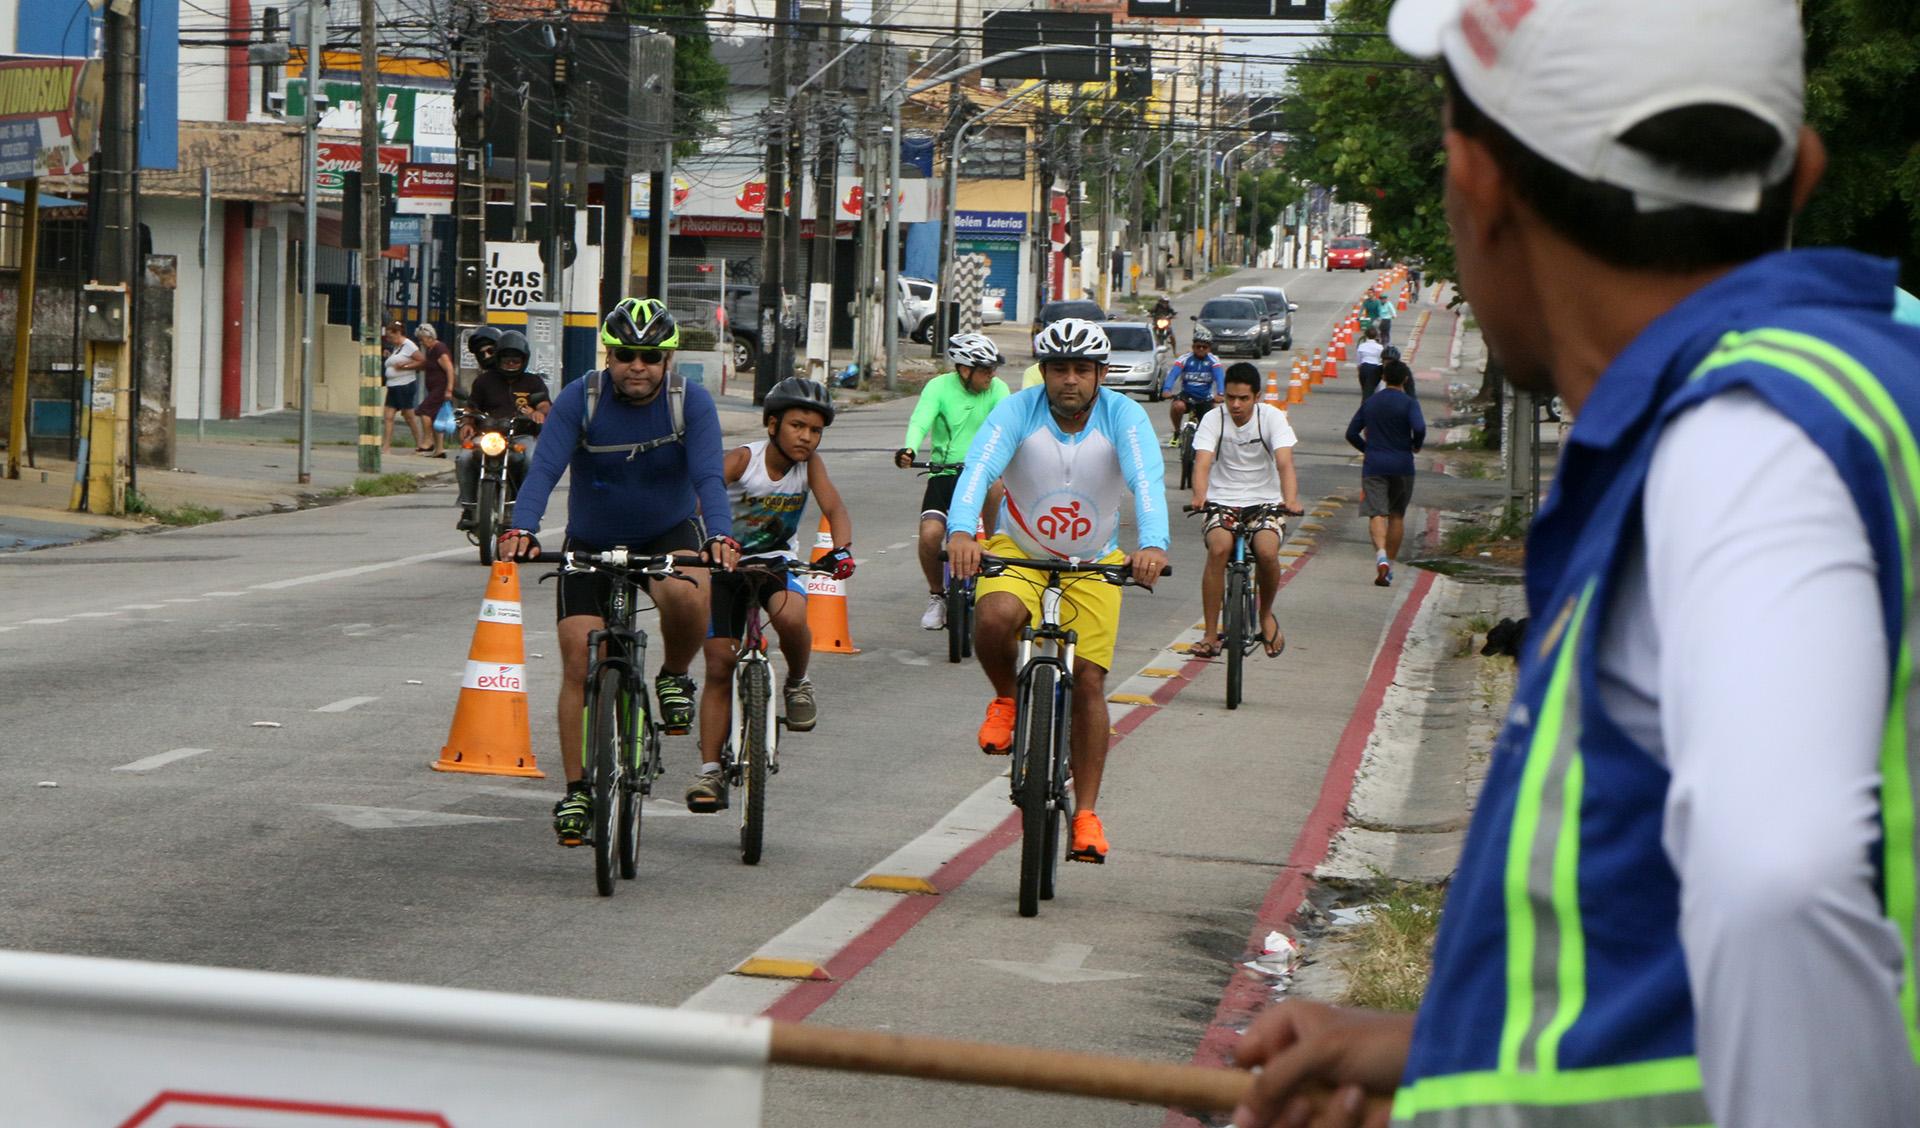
(493, 443)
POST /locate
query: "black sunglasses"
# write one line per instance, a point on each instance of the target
(644, 356)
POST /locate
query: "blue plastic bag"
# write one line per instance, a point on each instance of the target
(443, 422)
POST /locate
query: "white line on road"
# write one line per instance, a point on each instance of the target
(346, 573)
(901, 544)
(142, 606)
(223, 594)
(159, 760)
(346, 703)
(42, 622)
(183, 601)
(92, 614)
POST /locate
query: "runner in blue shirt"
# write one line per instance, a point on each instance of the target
(644, 461)
(1197, 378)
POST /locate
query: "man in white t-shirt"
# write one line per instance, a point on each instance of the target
(1244, 456)
(404, 362)
(1370, 355)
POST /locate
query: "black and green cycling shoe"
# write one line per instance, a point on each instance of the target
(572, 817)
(675, 692)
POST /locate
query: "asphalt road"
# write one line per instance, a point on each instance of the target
(217, 744)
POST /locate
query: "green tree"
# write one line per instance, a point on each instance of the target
(1863, 98)
(699, 82)
(1275, 191)
(1366, 123)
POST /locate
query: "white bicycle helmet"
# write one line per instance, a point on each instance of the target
(975, 350)
(1072, 338)
(1202, 334)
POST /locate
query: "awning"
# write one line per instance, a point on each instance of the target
(11, 195)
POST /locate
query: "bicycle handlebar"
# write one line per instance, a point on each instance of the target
(619, 560)
(1118, 574)
(937, 467)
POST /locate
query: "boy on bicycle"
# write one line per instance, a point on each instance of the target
(767, 486)
(949, 414)
(1243, 456)
(1068, 450)
(1196, 381)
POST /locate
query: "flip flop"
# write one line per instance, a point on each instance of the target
(1204, 650)
(1267, 641)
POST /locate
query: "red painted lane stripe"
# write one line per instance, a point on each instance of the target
(1245, 995)
(806, 996)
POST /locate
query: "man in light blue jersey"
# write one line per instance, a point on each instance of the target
(1065, 452)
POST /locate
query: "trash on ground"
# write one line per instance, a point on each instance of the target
(1359, 914)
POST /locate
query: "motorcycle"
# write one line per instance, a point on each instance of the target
(493, 510)
(1163, 328)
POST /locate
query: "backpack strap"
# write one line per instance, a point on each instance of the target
(676, 410)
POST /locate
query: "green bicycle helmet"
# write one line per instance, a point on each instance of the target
(640, 323)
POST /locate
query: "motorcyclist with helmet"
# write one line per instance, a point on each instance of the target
(505, 389)
(767, 486)
(1162, 317)
(643, 453)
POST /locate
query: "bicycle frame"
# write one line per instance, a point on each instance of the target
(752, 650)
(1064, 644)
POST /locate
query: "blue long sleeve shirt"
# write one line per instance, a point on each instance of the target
(614, 499)
(1387, 429)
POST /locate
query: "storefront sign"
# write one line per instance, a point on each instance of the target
(337, 158)
(407, 116)
(49, 113)
(425, 189)
(987, 224)
(744, 196)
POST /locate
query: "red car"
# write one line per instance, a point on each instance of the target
(1350, 253)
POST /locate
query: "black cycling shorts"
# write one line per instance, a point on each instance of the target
(939, 496)
(727, 593)
(591, 593)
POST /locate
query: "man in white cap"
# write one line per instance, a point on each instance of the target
(1688, 895)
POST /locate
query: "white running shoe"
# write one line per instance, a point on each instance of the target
(935, 618)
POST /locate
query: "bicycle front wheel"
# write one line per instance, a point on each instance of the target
(628, 829)
(1186, 458)
(958, 628)
(486, 519)
(602, 763)
(756, 697)
(1234, 608)
(1033, 771)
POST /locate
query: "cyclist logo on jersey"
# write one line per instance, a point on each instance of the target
(1063, 522)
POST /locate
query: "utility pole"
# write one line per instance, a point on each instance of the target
(1106, 219)
(776, 359)
(310, 218)
(23, 328)
(791, 306)
(1043, 229)
(522, 170)
(825, 171)
(891, 302)
(1136, 209)
(559, 228)
(470, 187)
(371, 303)
(108, 449)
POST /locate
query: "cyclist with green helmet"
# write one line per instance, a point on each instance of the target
(645, 461)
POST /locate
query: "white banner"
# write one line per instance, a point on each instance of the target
(499, 611)
(89, 1043)
(743, 195)
(504, 677)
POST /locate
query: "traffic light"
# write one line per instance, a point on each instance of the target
(350, 210)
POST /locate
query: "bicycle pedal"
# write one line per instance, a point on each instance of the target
(682, 731)
(571, 843)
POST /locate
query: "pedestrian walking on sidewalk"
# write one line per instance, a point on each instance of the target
(437, 375)
(1387, 430)
(1369, 353)
(402, 378)
(1690, 892)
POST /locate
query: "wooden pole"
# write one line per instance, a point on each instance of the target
(23, 327)
(1016, 1067)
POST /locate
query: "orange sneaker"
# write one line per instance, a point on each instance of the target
(996, 733)
(1089, 839)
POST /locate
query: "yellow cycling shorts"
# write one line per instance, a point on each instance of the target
(1089, 605)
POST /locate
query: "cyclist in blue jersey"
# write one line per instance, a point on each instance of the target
(1197, 380)
(1066, 452)
(643, 456)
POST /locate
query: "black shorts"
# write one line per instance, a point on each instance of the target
(728, 596)
(1385, 496)
(591, 593)
(939, 496)
(401, 396)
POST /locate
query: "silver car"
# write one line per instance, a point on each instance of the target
(1137, 362)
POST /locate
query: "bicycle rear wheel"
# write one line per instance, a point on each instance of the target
(633, 727)
(1186, 458)
(1033, 777)
(602, 765)
(1235, 608)
(755, 698)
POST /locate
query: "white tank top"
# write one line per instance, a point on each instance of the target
(766, 513)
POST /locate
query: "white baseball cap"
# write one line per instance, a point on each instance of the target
(1567, 77)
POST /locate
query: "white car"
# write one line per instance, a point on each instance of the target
(920, 300)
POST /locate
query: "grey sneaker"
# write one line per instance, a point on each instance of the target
(935, 616)
(707, 793)
(801, 713)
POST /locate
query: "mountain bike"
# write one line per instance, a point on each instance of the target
(960, 595)
(620, 754)
(1189, 426)
(1043, 698)
(752, 751)
(1240, 606)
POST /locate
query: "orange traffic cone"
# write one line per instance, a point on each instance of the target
(1403, 299)
(1272, 394)
(490, 733)
(1295, 393)
(827, 604)
(1330, 372)
(1337, 348)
